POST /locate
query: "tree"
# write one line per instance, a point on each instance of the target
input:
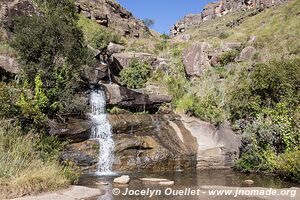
(148, 22)
(52, 47)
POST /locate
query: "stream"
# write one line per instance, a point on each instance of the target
(183, 179)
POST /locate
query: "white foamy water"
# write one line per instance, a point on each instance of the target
(101, 131)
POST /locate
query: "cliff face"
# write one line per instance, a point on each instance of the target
(110, 14)
(106, 12)
(219, 9)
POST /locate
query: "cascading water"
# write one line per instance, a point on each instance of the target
(101, 131)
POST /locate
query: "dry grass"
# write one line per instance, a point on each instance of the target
(22, 171)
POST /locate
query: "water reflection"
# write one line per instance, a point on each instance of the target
(183, 179)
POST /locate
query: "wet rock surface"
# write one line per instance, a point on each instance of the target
(159, 142)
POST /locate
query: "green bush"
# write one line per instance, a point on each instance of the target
(264, 87)
(103, 37)
(223, 35)
(228, 57)
(52, 51)
(136, 75)
(288, 165)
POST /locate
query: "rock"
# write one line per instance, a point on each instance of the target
(72, 193)
(153, 179)
(160, 98)
(182, 38)
(122, 179)
(83, 154)
(148, 142)
(219, 9)
(110, 14)
(115, 48)
(217, 147)
(252, 39)
(247, 53)
(166, 183)
(8, 66)
(10, 10)
(195, 59)
(249, 182)
(76, 130)
(133, 100)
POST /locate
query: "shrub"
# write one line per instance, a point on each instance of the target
(148, 22)
(136, 75)
(228, 57)
(103, 37)
(223, 35)
(52, 52)
(264, 87)
(288, 165)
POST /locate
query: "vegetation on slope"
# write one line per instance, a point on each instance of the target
(259, 96)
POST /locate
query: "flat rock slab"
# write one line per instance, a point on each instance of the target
(154, 179)
(72, 193)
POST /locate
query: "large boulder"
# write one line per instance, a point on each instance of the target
(11, 9)
(217, 147)
(84, 154)
(247, 53)
(195, 59)
(75, 130)
(8, 66)
(133, 100)
(149, 142)
(115, 48)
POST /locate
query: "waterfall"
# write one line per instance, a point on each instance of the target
(101, 131)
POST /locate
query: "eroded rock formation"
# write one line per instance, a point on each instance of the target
(108, 13)
(219, 9)
(161, 142)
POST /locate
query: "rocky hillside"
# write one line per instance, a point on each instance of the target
(106, 13)
(219, 9)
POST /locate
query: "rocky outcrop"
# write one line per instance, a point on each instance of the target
(12, 8)
(84, 154)
(195, 59)
(108, 13)
(8, 66)
(75, 130)
(133, 100)
(217, 147)
(161, 142)
(219, 9)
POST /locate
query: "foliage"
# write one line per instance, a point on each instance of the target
(223, 35)
(136, 75)
(98, 36)
(288, 165)
(52, 50)
(265, 87)
(228, 57)
(148, 22)
(103, 37)
(268, 105)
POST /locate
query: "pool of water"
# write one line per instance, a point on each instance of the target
(183, 179)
